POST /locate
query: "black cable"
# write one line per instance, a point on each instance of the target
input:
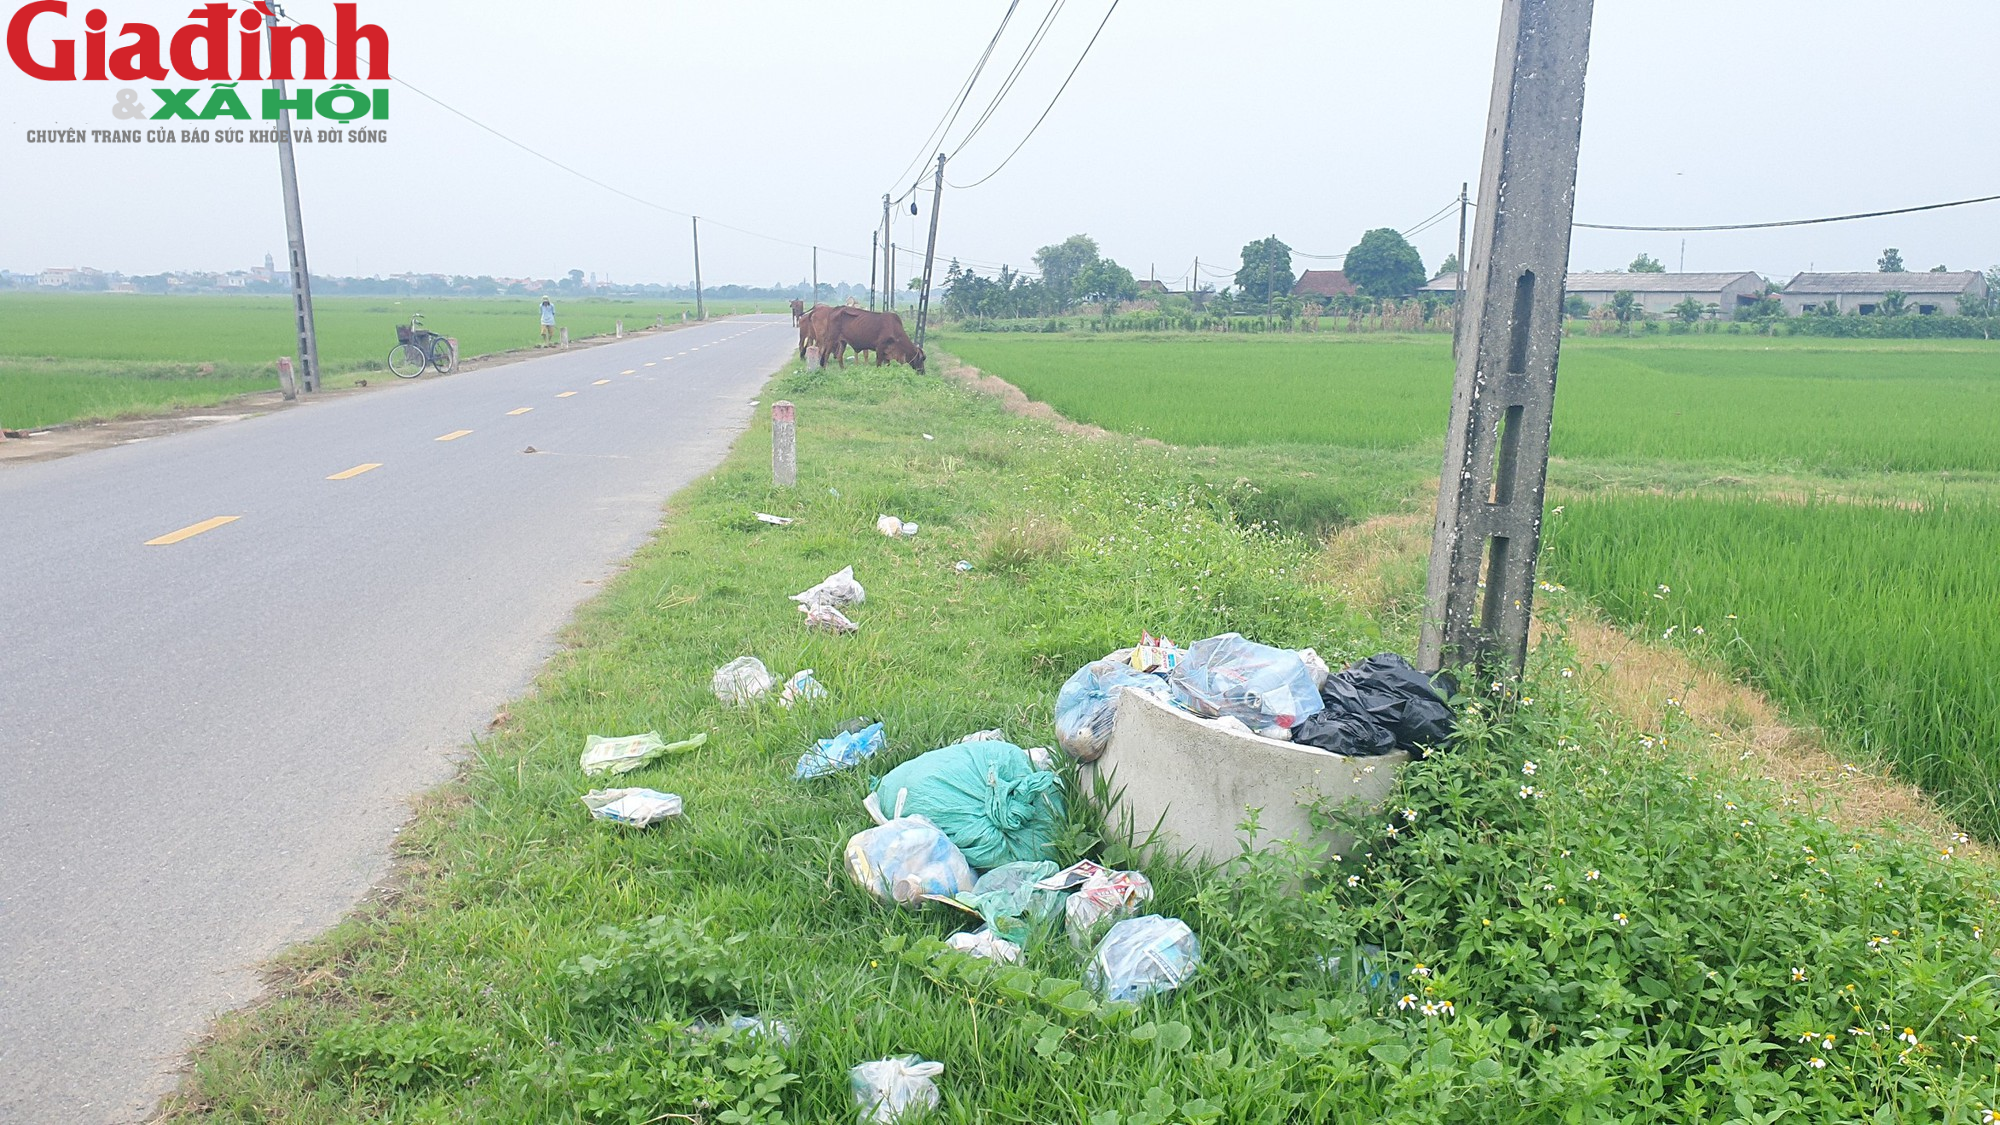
(943, 128)
(1013, 74)
(1793, 222)
(1052, 101)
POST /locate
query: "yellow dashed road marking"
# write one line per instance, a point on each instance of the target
(454, 435)
(567, 394)
(356, 471)
(652, 365)
(519, 411)
(600, 382)
(191, 532)
(628, 372)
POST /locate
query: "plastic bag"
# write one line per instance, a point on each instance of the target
(888, 1089)
(1011, 899)
(1261, 685)
(984, 942)
(1141, 957)
(987, 796)
(1316, 665)
(1378, 705)
(842, 751)
(828, 619)
(802, 686)
(639, 808)
(837, 590)
(1088, 703)
(742, 680)
(623, 755)
(1109, 894)
(907, 859)
(893, 527)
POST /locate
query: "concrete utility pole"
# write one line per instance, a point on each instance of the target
(1489, 517)
(700, 309)
(295, 227)
(815, 299)
(1458, 283)
(888, 269)
(874, 264)
(930, 255)
(889, 279)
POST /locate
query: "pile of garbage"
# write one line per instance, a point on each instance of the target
(1372, 707)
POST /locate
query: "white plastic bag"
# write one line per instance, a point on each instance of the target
(623, 755)
(742, 680)
(892, 527)
(1261, 685)
(837, 590)
(1315, 666)
(1111, 894)
(1144, 956)
(828, 619)
(802, 686)
(905, 860)
(983, 942)
(887, 1089)
(639, 808)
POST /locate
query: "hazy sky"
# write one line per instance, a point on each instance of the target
(1193, 127)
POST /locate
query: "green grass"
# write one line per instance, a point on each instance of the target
(1878, 621)
(65, 357)
(1636, 966)
(1800, 405)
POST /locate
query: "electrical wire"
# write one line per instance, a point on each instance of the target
(950, 116)
(1052, 101)
(1793, 222)
(1013, 74)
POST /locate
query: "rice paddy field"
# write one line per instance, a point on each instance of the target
(68, 357)
(1822, 517)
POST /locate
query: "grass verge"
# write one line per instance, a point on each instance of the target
(1562, 922)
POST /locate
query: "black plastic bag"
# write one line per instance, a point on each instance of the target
(1375, 706)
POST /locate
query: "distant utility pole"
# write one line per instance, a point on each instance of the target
(815, 299)
(1194, 280)
(700, 309)
(1458, 283)
(295, 226)
(889, 281)
(1684, 256)
(874, 263)
(1484, 548)
(888, 299)
(930, 254)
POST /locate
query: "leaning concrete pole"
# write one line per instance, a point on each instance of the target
(1496, 458)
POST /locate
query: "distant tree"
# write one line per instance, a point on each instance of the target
(1940, 269)
(1107, 281)
(1828, 308)
(1690, 310)
(1646, 264)
(1891, 261)
(1969, 305)
(1266, 270)
(1624, 306)
(1061, 264)
(1449, 266)
(1894, 303)
(1384, 264)
(1575, 307)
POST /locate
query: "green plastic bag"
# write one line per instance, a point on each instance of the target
(986, 797)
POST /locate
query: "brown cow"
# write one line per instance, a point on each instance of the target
(816, 328)
(798, 309)
(879, 332)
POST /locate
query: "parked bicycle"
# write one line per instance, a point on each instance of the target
(417, 348)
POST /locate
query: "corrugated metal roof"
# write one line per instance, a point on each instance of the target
(1657, 282)
(1322, 283)
(1442, 283)
(1957, 281)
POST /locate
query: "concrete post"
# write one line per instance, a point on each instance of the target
(784, 445)
(618, 330)
(288, 381)
(812, 355)
(1489, 514)
(565, 337)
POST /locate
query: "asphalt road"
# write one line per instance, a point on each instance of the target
(207, 745)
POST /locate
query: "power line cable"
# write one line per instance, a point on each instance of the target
(1052, 101)
(1013, 74)
(950, 116)
(1793, 222)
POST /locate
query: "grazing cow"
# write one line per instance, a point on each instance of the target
(798, 309)
(817, 328)
(878, 332)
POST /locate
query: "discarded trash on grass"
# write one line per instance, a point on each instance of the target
(892, 527)
(749, 1027)
(1155, 654)
(988, 797)
(1088, 702)
(1073, 876)
(742, 680)
(1112, 894)
(907, 860)
(802, 687)
(1260, 685)
(983, 942)
(963, 567)
(928, 437)
(828, 619)
(638, 808)
(888, 1089)
(836, 590)
(775, 521)
(994, 735)
(1012, 900)
(1142, 957)
(623, 755)
(843, 751)
(1376, 706)
(1315, 666)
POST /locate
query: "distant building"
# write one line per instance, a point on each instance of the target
(1153, 287)
(56, 278)
(1658, 293)
(1926, 294)
(1443, 285)
(1322, 285)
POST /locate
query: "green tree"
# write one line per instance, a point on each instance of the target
(1266, 271)
(1107, 281)
(1828, 308)
(1384, 264)
(1891, 261)
(1644, 263)
(1690, 310)
(1061, 264)
(1449, 266)
(1624, 306)
(1894, 302)
(1940, 269)
(1575, 307)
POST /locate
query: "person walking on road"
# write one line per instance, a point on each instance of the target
(548, 323)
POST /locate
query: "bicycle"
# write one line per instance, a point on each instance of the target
(417, 348)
